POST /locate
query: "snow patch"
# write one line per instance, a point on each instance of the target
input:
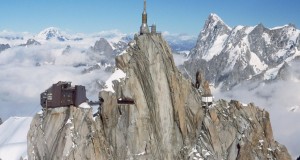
(249, 29)
(237, 28)
(267, 38)
(117, 75)
(216, 48)
(261, 141)
(217, 19)
(272, 73)
(258, 65)
(40, 112)
(69, 121)
(140, 154)
(278, 27)
(124, 52)
(84, 105)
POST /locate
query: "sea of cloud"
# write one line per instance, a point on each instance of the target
(25, 72)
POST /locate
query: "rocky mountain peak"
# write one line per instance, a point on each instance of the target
(103, 49)
(213, 17)
(214, 22)
(259, 29)
(102, 45)
(214, 33)
(150, 111)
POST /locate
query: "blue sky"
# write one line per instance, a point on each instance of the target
(175, 16)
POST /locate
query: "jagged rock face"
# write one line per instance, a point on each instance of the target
(66, 133)
(107, 51)
(231, 56)
(237, 131)
(4, 47)
(168, 121)
(156, 126)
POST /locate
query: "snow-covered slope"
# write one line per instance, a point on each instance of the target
(13, 138)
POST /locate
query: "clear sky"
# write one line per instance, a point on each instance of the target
(175, 16)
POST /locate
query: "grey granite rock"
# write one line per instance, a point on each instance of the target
(167, 119)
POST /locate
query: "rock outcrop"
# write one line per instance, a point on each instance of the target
(157, 125)
(152, 112)
(232, 130)
(168, 121)
(66, 133)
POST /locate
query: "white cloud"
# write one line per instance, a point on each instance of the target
(179, 59)
(22, 80)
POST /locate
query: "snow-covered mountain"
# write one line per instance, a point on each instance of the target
(230, 56)
(52, 33)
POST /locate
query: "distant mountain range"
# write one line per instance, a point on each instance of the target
(230, 56)
(178, 42)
